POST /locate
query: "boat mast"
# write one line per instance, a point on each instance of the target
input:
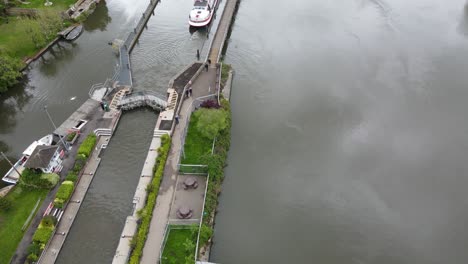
(12, 165)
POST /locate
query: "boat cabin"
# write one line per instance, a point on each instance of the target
(45, 158)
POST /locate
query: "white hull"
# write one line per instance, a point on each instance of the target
(202, 13)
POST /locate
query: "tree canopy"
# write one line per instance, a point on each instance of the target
(211, 121)
(9, 71)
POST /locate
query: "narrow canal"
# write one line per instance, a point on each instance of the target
(96, 230)
(349, 140)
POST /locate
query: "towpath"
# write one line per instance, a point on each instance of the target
(203, 85)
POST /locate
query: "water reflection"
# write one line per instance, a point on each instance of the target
(60, 53)
(11, 102)
(98, 19)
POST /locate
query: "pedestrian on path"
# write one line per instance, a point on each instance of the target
(206, 66)
(187, 93)
(177, 119)
(190, 91)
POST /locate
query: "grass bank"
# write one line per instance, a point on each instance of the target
(12, 221)
(196, 145)
(180, 245)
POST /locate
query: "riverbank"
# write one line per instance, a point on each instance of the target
(28, 31)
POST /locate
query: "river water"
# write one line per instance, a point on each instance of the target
(348, 140)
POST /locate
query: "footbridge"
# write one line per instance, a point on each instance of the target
(143, 99)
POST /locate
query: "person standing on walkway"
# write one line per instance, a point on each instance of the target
(177, 119)
(206, 66)
(190, 91)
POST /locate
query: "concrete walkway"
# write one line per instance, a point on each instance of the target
(221, 33)
(201, 87)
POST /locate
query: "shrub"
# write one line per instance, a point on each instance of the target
(32, 258)
(5, 204)
(42, 235)
(71, 136)
(87, 146)
(210, 104)
(51, 178)
(225, 73)
(48, 221)
(78, 166)
(34, 248)
(35, 179)
(71, 176)
(205, 234)
(59, 203)
(63, 194)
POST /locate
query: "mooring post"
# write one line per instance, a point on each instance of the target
(198, 54)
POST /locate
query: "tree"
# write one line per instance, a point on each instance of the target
(9, 71)
(211, 121)
(50, 23)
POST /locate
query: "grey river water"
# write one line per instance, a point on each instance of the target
(350, 136)
(349, 139)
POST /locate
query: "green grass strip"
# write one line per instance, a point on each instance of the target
(11, 221)
(180, 245)
(196, 145)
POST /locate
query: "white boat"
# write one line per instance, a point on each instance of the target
(202, 12)
(12, 175)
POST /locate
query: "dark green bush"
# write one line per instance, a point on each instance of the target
(87, 146)
(32, 258)
(71, 176)
(34, 248)
(48, 221)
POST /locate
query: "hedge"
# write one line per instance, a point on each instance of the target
(87, 146)
(63, 194)
(216, 164)
(139, 239)
(42, 235)
(71, 176)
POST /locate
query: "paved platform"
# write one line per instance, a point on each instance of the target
(191, 198)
